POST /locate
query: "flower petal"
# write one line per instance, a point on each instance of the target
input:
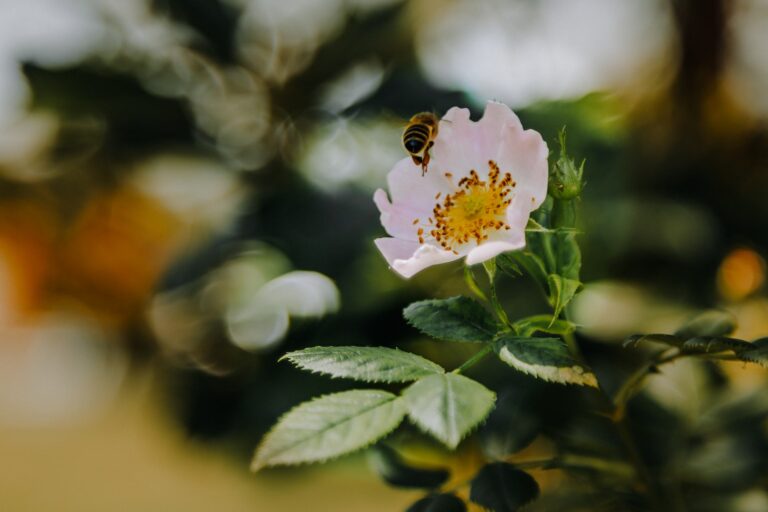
(519, 211)
(407, 186)
(490, 130)
(425, 256)
(395, 249)
(453, 152)
(524, 154)
(408, 258)
(397, 219)
(488, 250)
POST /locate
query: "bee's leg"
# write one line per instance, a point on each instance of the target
(417, 160)
(425, 159)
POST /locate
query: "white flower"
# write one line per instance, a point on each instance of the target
(484, 180)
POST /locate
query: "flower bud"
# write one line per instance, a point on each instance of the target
(565, 178)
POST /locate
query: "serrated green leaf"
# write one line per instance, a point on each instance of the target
(455, 319)
(330, 426)
(712, 344)
(438, 503)
(709, 323)
(543, 358)
(543, 323)
(667, 339)
(448, 406)
(758, 353)
(501, 487)
(370, 364)
(561, 292)
(395, 471)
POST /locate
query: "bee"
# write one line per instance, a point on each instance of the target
(419, 136)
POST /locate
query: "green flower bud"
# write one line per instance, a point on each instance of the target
(565, 178)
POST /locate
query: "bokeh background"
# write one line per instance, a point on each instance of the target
(185, 194)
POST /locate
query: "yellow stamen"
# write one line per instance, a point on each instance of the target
(476, 210)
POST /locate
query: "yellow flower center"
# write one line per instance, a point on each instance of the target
(477, 209)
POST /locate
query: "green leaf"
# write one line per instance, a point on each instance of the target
(370, 364)
(561, 292)
(454, 319)
(510, 262)
(501, 487)
(395, 471)
(568, 255)
(667, 339)
(438, 503)
(713, 344)
(543, 323)
(709, 323)
(330, 426)
(543, 358)
(757, 354)
(514, 423)
(448, 406)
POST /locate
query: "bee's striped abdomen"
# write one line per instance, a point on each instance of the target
(415, 137)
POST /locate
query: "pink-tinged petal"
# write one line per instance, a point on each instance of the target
(425, 256)
(408, 188)
(519, 211)
(462, 146)
(394, 249)
(488, 250)
(490, 129)
(524, 154)
(407, 258)
(453, 150)
(397, 219)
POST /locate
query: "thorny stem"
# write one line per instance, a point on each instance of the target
(633, 382)
(575, 461)
(641, 469)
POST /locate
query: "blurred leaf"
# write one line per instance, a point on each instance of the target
(501, 487)
(438, 503)
(370, 364)
(448, 406)
(708, 323)
(667, 339)
(513, 424)
(329, 426)
(455, 319)
(758, 353)
(713, 344)
(395, 471)
(543, 358)
(561, 292)
(543, 323)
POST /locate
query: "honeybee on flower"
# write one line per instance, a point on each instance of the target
(419, 137)
(485, 179)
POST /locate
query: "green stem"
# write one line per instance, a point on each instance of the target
(490, 269)
(613, 467)
(633, 382)
(641, 469)
(472, 361)
(469, 278)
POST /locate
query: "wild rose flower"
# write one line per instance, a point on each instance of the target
(484, 180)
